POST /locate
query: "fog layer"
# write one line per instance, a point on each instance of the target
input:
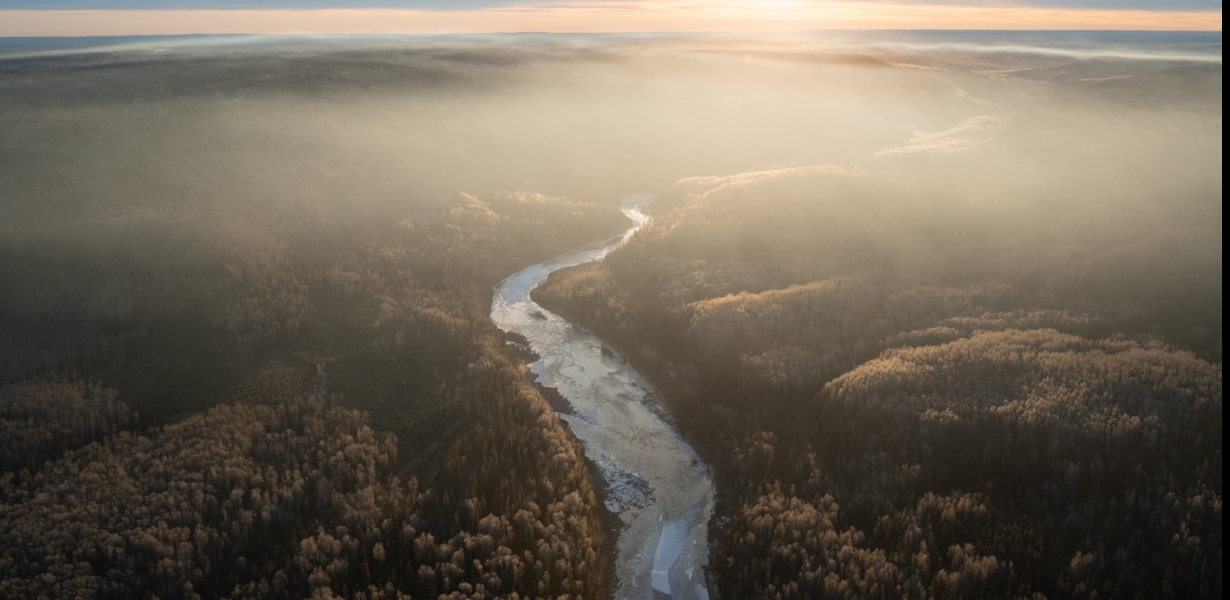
(942, 309)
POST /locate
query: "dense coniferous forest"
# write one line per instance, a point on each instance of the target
(943, 321)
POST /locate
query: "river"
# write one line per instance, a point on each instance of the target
(655, 482)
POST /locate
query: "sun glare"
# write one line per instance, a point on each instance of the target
(627, 16)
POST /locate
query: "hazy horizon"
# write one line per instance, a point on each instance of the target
(860, 314)
(127, 17)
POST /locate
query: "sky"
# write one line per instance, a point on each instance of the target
(168, 17)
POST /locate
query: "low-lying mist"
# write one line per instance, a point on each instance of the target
(942, 310)
(354, 126)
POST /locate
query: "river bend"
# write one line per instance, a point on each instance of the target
(655, 482)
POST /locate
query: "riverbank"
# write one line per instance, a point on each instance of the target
(610, 521)
(722, 504)
(656, 484)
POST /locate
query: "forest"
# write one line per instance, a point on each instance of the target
(914, 379)
(242, 359)
(943, 321)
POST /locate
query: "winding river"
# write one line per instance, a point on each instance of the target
(655, 482)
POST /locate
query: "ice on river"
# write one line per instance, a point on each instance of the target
(655, 482)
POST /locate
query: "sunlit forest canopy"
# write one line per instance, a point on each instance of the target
(941, 311)
(979, 359)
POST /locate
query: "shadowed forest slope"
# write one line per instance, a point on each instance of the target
(246, 349)
(944, 315)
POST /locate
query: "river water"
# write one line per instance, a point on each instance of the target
(655, 482)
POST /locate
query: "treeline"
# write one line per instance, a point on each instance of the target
(326, 408)
(41, 421)
(277, 497)
(914, 384)
(1001, 464)
(226, 245)
(288, 501)
(283, 497)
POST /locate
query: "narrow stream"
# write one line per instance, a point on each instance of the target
(655, 482)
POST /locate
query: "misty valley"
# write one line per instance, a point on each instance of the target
(826, 315)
